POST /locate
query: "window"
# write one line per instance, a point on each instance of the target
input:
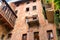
(34, 0)
(28, 2)
(35, 17)
(2, 36)
(34, 7)
(58, 34)
(24, 37)
(50, 34)
(9, 35)
(16, 12)
(27, 9)
(36, 35)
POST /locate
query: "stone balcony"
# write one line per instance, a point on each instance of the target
(32, 20)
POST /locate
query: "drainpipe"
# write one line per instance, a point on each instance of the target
(44, 8)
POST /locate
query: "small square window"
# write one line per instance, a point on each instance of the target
(16, 12)
(9, 35)
(27, 9)
(34, 7)
(34, 0)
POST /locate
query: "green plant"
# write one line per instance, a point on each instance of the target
(57, 4)
(48, 1)
(57, 14)
(56, 19)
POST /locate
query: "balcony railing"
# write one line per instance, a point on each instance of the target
(7, 16)
(33, 20)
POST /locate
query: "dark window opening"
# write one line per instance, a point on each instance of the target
(34, 7)
(34, 18)
(16, 12)
(50, 34)
(2, 36)
(9, 35)
(34, 0)
(36, 35)
(24, 37)
(27, 9)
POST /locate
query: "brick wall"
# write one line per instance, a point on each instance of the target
(21, 27)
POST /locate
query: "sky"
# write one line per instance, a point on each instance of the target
(9, 1)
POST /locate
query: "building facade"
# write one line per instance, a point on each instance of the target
(31, 23)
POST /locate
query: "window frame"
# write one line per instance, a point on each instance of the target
(34, 8)
(24, 37)
(36, 34)
(50, 34)
(27, 9)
